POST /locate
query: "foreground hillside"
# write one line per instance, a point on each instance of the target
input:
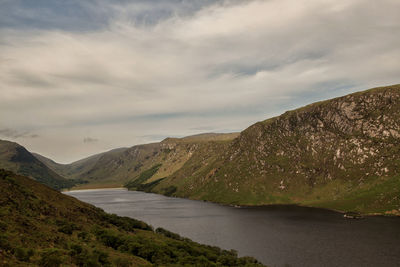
(340, 154)
(16, 158)
(40, 226)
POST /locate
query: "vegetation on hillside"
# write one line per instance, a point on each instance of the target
(16, 158)
(340, 154)
(143, 177)
(42, 227)
(119, 166)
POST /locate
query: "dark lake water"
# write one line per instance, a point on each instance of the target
(277, 236)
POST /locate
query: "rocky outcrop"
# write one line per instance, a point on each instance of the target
(352, 137)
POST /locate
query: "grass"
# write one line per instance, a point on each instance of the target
(97, 186)
(143, 177)
(42, 227)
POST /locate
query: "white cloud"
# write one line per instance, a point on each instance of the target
(223, 68)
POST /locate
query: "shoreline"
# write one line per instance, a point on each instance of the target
(93, 189)
(396, 214)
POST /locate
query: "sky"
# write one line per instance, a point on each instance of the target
(83, 77)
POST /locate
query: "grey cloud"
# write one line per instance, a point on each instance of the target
(163, 67)
(92, 15)
(203, 128)
(87, 140)
(15, 134)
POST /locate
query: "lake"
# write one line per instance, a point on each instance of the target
(276, 235)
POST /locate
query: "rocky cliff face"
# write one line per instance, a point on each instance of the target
(352, 137)
(341, 153)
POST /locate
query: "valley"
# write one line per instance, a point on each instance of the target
(340, 154)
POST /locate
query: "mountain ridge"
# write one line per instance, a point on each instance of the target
(338, 154)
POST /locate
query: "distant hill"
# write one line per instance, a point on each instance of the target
(16, 158)
(42, 227)
(77, 169)
(121, 165)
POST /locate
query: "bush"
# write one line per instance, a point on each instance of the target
(101, 256)
(4, 243)
(84, 236)
(3, 226)
(122, 262)
(143, 177)
(66, 227)
(76, 249)
(23, 254)
(110, 239)
(51, 258)
(126, 223)
(170, 190)
(167, 233)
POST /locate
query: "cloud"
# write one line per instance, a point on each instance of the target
(89, 140)
(15, 134)
(157, 68)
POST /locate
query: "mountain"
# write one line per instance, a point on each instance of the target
(16, 158)
(340, 154)
(118, 166)
(78, 169)
(42, 227)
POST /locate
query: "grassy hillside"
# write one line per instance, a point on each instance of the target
(340, 154)
(40, 226)
(78, 168)
(16, 158)
(119, 166)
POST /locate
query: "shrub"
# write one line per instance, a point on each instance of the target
(167, 233)
(3, 226)
(122, 262)
(101, 256)
(126, 223)
(4, 243)
(23, 254)
(51, 258)
(168, 191)
(66, 227)
(83, 236)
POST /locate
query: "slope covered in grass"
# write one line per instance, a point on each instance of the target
(341, 154)
(40, 226)
(16, 158)
(118, 166)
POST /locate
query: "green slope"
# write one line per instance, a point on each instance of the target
(340, 154)
(40, 226)
(16, 158)
(122, 165)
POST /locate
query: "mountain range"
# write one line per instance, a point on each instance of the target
(340, 154)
